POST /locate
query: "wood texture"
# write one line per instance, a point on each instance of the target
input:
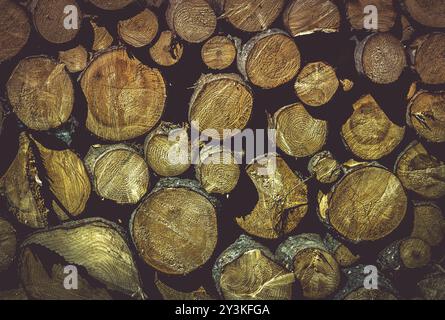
(429, 223)
(324, 167)
(125, 98)
(428, 13)
(421, 172)
(111, 4)
(118, 173)
(386, 11)
(41, 93)
(219, 52)
(283, 199)
(269, 59)
(15, 28)
(75, 59)
(167, 51)
(8, 244)
(102, 38)
(174, 229)
(426, 54)
(140, 30)
(369, 133)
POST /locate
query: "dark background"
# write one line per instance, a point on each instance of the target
(337, 49)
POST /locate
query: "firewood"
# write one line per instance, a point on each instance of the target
(421, 172)
(246, 270)
(49, 20)
(220, 103)
(385, 9)
(354, 287)
(410, 253)
(219, 52)
(68, 181)
(167, 51)
(140, 30)
(159, 150)
(312, 264)
(316, 84)
(193, 20)
(380, 57)
(428, 13)
(367, 204)
(8, 244)
(218, 170)
(283, 198)
(429, 223)
(111, 4)
(426, 114)
(174, 228)
(105, 258)
(118, 173)
(168, 293)
(22, 187)
(125, 98)
(15, 28)
(341, 253)
(102, 38)
(41, 93)
(324, 167)
(432, 287)
(407, 29)
(427, 54)
(249, 15)
(13, 295)
(74, 59)
(269, 59)
(302, 17)
(298, 133)
(369, 133)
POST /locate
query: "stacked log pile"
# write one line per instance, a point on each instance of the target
(92, 92)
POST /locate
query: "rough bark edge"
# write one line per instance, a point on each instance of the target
(242, 245)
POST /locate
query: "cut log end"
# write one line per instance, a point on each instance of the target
(102, 38)
(324, 167)
(428, 52)
(8, 244)
(357, 16)
(74, 59)
(140, 30)
(219, 52)
(167, 51)
(428, 13)
(429, 223)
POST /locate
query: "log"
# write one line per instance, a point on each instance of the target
(409, 253)
(282, 198)
(174, 228)
(140, 30)
(168, 293)
(8, 244)
(167, 51)
(49, 20)
(407, 29)
(75, 59)
(249, 15)
(246, 270)
(421, 172)
(426, 115)
(380, 57)
(22, 187)
(298, 133)
(369, 133)
(118, 173)
(316, 84)
(367, 204)
(220, 105)
(218, 170)
(324, 167)
(13, 295)
(356, 14)
(111, 4)
(159, 148)
(342, 254)
(269, 59)
(312, 264)
(428, 13)
(122, 106)
(427, 54)
(102, 38)
(67, 179)
(15, 28)
(302, 17)
(429, 223)
(219, 52)
(354, 287)
(41, 93)
(432, 287)
(192, 20)
(108, 266)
